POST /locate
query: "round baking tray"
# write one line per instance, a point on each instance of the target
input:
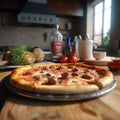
(4, 67)
(65, 97)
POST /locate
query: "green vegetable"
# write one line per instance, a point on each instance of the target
(16, 54)
(60, 81)
(28, 57)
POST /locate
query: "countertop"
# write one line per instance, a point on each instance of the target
(16, 107)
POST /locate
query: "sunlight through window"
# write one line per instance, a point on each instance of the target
(102, 19)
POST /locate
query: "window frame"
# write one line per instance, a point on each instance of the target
(103, 18)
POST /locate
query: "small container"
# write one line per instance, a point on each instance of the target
(86, 49)
(98, 55)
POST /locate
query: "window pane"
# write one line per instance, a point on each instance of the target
(102, 20)
(107, 4)
(98, 24)
(99, 7)
(98, 39)
(106, 39)
(107, 20)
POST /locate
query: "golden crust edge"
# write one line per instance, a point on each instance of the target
(56, 89)
(21, 85)
(106, 80)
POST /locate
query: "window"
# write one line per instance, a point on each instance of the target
(102, 19)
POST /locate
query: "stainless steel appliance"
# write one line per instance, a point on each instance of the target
(36, 11)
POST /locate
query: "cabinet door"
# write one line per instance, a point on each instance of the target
(11, 5)
(66, 7)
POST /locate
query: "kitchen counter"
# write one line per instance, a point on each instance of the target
(16, 107)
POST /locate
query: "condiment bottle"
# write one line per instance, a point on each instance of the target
(56, 44)
(68, 47)
(75, 45)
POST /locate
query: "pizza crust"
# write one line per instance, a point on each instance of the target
(66, 89)
(55, 89)
(106, 80)
(52, 89)
(22, 85)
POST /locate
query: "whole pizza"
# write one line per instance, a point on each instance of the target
(61, 78)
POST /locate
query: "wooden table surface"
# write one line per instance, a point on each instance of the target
(16, 107)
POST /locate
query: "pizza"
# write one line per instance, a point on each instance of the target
(60, 78)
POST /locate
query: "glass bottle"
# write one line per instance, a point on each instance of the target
(75, 45)
(56, 44)
(68, 47)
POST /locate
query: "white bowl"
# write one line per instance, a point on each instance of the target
(98, 55)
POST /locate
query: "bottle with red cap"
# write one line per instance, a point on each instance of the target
(56, 44)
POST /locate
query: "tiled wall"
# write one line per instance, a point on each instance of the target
(13, 33)
(31, 36)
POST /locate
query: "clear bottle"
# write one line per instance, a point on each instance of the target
(56, 44)
(75, 45)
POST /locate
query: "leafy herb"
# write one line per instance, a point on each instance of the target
(16, 54)
(60, 81)
(42, 71)
(73, 81)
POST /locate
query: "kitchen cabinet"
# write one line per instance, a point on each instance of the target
(59, 7)
(11, 5)
(67, 7)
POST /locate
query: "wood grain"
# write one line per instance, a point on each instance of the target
(16, 107)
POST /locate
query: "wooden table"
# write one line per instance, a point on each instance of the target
(15, 107)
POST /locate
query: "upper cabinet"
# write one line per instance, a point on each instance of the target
(11, 5)
(59, 7)
(66, 7)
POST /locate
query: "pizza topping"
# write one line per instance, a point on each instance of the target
(37, 77)
(60, 68)
(48, 74)
(61, 75)
(29, 78)
(75, 74)
(72, 82)
(52, 80)
(26, 73)
(42, 71)
(65, 75)
(45, 68)
(86, 76)
(75, 69)
(60, 80)
(52, 67)
(93, 73)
